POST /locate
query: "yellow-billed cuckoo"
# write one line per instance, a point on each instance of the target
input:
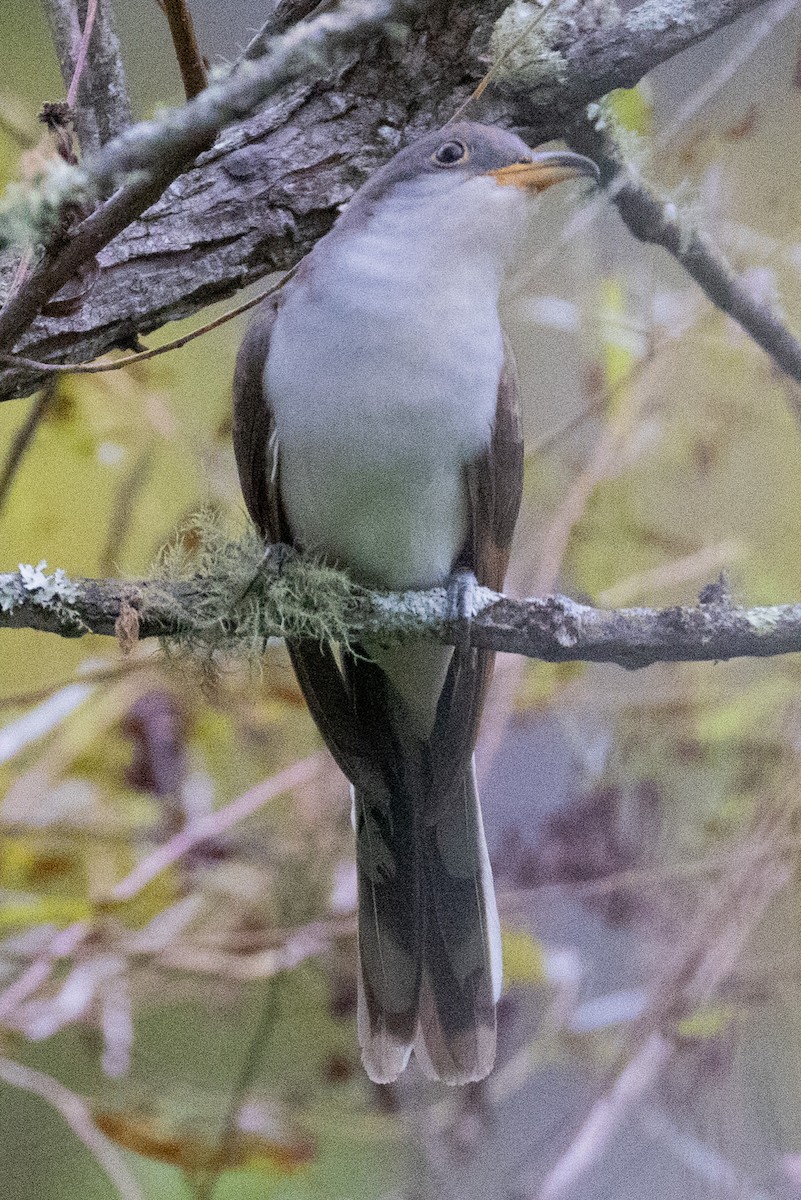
(376, 424)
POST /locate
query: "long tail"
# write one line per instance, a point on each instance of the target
(429, 937)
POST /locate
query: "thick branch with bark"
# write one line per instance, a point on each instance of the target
(555, 629)
(272, 183)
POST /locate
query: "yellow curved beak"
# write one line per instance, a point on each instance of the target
(546, 168)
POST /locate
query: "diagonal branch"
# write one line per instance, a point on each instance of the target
(153, 153)
(78, 1116)
(653, 220)
(258, 201)
(555, 629)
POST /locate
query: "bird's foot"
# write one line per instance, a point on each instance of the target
(275, 558)
(461, 589)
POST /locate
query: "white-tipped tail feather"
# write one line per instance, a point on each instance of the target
(429, 936)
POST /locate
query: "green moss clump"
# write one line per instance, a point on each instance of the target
(241, 595)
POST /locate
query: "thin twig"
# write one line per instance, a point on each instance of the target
(653, 220)
(78, 1116)
(606, 1116)
(500, 63)
(285, 14)
(24, 439)
(187, 51)
(98, 368)
(63, 944)
(720, 1175)
(216, 823)
(123, 509)
(83, 50)
(100, 96)
(706, 959)
(729, 69)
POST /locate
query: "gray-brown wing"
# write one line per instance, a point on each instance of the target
(254, 430)
(494, 483)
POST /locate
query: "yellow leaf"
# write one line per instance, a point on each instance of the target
(523, 959)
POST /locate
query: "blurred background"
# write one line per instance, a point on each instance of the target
(643, 827)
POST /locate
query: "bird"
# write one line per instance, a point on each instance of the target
(377, 427)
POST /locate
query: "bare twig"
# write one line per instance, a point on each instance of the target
(99, 368)
(123, 509)
(705, 960)
(555, 628)
(78, 1116)
(652, 220)
(729, 69)
(83, 50)
(707, 1163)
(187, 51)
(63, 944)
(216, 823)
(23, 439)
(606, 1115)
(284, 14)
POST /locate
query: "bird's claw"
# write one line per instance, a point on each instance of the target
(461, 605)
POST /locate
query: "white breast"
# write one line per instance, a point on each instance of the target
(383, 374)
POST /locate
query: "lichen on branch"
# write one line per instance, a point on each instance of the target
(214, 595)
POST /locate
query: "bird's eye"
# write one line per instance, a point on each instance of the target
(450, 153)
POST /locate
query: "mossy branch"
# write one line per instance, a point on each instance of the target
(236, 599)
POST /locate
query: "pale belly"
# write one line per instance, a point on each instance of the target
(393, 525)
(375, 427)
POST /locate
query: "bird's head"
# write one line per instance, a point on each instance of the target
(466, 185)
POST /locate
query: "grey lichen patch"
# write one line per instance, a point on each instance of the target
(655, 16)
(240, 597)
(519, 48)
(764, 621)
(603, 116)
(53, 592)
(32, 213)
(528, 39)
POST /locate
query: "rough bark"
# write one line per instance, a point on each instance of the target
(272, 184)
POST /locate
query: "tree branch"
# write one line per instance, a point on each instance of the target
(653, 220)
(271, 187)
(187, 51)
(152, 153)
(555, 628)
(616, 54)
